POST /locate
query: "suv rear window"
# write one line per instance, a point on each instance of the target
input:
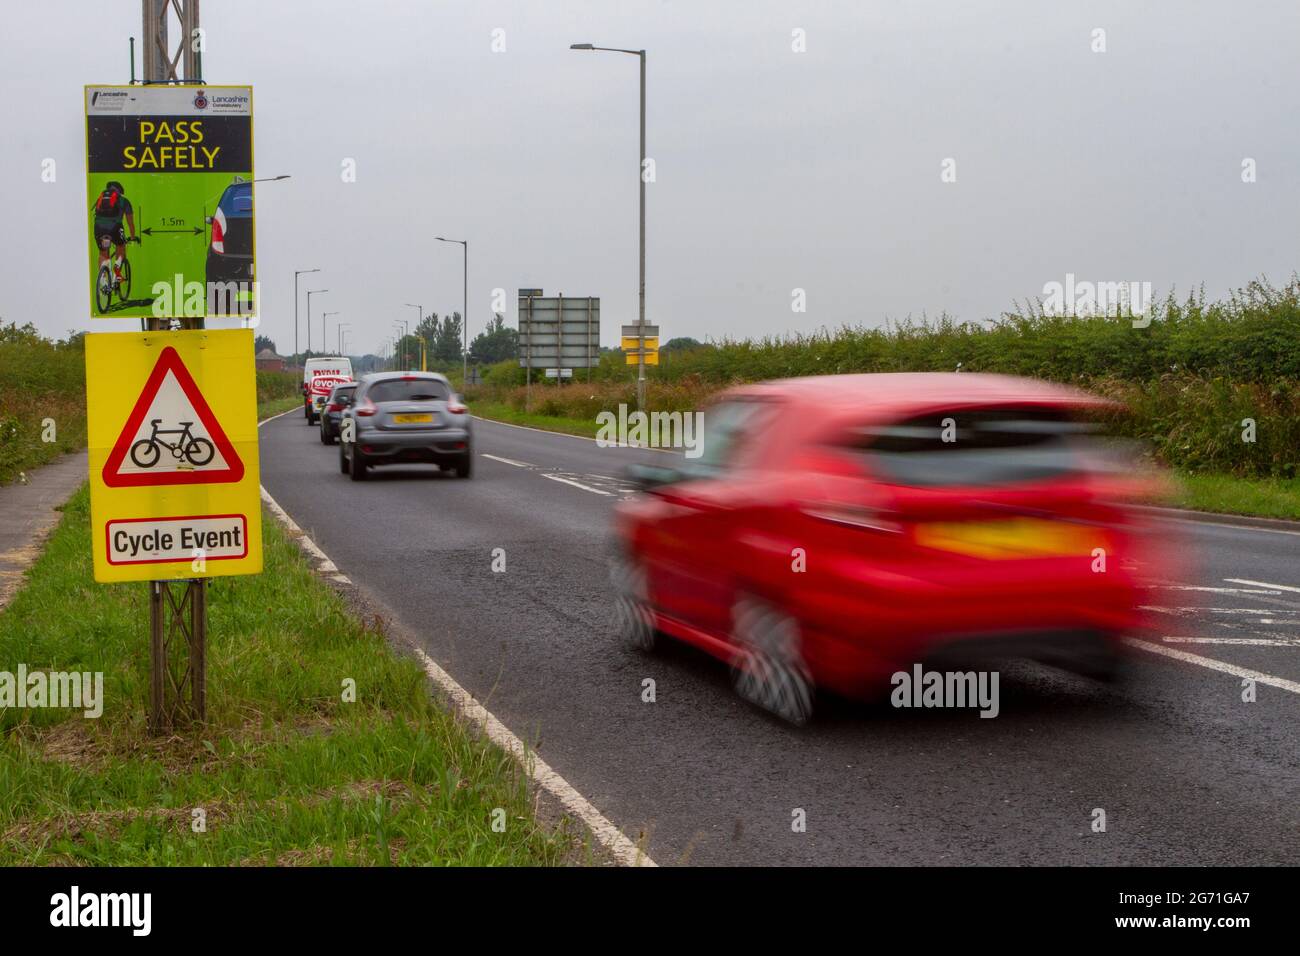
(975, 447)
(409, 390)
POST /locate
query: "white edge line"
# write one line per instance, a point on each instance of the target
(1216, 665)
(1263, 584)
(623, 850)
(506, 461)
(1234, 527)
(1234, 641)
(570, 481)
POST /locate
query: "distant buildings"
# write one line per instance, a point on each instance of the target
(268, 361)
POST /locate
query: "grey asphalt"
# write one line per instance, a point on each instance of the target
(1186, 772)
(29, 510)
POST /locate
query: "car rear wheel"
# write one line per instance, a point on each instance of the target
(343, 460)
(464, 467)
(358, 463)
(769, 670)
(632, 604)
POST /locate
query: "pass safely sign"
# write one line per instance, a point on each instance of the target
(173, 454)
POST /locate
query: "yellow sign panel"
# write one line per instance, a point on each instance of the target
(173, 454)
(632, 342)
(651, 358)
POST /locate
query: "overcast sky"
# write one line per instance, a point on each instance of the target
(775, 169)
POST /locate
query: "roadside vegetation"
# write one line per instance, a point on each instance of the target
(285, 770)
(1193, 380)
(42, 399)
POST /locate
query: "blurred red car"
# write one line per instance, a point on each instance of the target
(840, 528)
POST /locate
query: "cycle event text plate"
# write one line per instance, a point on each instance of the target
(172, 432)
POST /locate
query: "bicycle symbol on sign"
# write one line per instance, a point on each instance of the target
(197, 451)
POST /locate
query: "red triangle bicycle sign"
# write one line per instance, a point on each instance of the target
(171, 437)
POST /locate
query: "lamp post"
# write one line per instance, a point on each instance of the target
(420, 323)
(640, 370)
(464, 308)
(324, 339)
(299, 272)
(310, 293)
(339, 330)
(405, 325)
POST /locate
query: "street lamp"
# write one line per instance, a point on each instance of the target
(405, 327)
(324, 339)
(421, 322)
(464, 309)
(300, 272)
(339, 330)
(640, 371)
(310, 293)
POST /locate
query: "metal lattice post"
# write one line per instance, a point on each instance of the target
(164, 63)
(178, 622)
(178, 610)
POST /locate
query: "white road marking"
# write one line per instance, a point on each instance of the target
(1250, 641)
(1219, 610)
(576, 484)
(620, 847)
(1216, 665)
(623, 849)
(1188, 587)
(1234, 527)
(506, 461)
(1263, 584)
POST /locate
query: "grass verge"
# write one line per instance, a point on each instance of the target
(501, 412)
(1224, 494)
(285, 771)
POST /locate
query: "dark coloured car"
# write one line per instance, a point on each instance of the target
(230, 246)
(405, 417)
(339, 398)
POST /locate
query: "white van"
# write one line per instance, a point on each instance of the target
(319, 375)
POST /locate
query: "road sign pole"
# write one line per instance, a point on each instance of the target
(167, 624)
(640, 371)
(178, 635)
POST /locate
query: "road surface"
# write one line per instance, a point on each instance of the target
(1186, 772)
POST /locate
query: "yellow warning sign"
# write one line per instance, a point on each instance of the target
(174, 490)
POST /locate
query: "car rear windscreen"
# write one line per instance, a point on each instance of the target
(409, 390)
(975, 447)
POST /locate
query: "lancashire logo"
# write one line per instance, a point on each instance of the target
(200, 101)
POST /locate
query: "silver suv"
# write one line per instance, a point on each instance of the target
(400, 417)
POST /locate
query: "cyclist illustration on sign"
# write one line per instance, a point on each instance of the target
(197, 451)
(110, 209)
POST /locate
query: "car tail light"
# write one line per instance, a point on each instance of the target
(456, 408)
(335, 407)
(219, 231)
(367, 408)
